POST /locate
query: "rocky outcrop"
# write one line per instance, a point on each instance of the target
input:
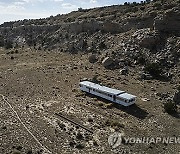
(169, 21)
(147, 38)
(92, 26)
(83, 26)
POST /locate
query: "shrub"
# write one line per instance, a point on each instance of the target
(95, 79)
(8, 44)
(154, 69)
(170, 107)
(178, 88)
(148, 1)
(141, 59)
(1, 41)
(80, 146)
(79, 136)
(108, 106)
(102, 45)
(113, 123)
(142, 8)
(80, 9)
(100, 104)
(158, 5)
(127, 3)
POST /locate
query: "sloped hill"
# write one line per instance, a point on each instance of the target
(131, 47)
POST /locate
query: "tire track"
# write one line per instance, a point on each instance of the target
(47, 151)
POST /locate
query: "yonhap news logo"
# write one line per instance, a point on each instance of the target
(117, 138)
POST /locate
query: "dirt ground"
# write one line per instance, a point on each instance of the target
(38, 84)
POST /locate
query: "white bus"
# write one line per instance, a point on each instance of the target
(114, 95)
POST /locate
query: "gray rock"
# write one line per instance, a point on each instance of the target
(107, 61)
(92, 58)
(84, 79)
(147, 38)
(124, 71)
(145, 76)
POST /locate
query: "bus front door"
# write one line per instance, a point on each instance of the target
(114, 98)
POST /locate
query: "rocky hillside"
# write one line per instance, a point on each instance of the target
(145, 33)
(132, 47)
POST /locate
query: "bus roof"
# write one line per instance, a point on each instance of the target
(102, 88)
(126, 96)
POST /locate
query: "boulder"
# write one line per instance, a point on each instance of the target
(93, 58)
(145, 76)
(84, 79)
(107, 62)
(124, 71)
(147, 38)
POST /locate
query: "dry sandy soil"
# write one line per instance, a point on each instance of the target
(39, 84)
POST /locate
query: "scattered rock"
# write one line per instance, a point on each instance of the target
(145, 76)
(145, 99)
(84, 79)
(147, 38)
(124, 71)
(107, 62)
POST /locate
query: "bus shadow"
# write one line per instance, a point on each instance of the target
(133, 110)
(176, 115)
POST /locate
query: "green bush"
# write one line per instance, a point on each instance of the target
(170, 107)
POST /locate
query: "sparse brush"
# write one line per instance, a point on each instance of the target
(108, 106)
(80, 94)
(79, 146)
(170, 107)
(178, 88)
(154, 69)
(100, 104)
(113, 123)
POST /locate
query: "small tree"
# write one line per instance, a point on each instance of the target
(80, 9)
(148, 1)
(134, 3)
(127, 3)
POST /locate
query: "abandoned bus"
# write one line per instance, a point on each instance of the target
(114, 95)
